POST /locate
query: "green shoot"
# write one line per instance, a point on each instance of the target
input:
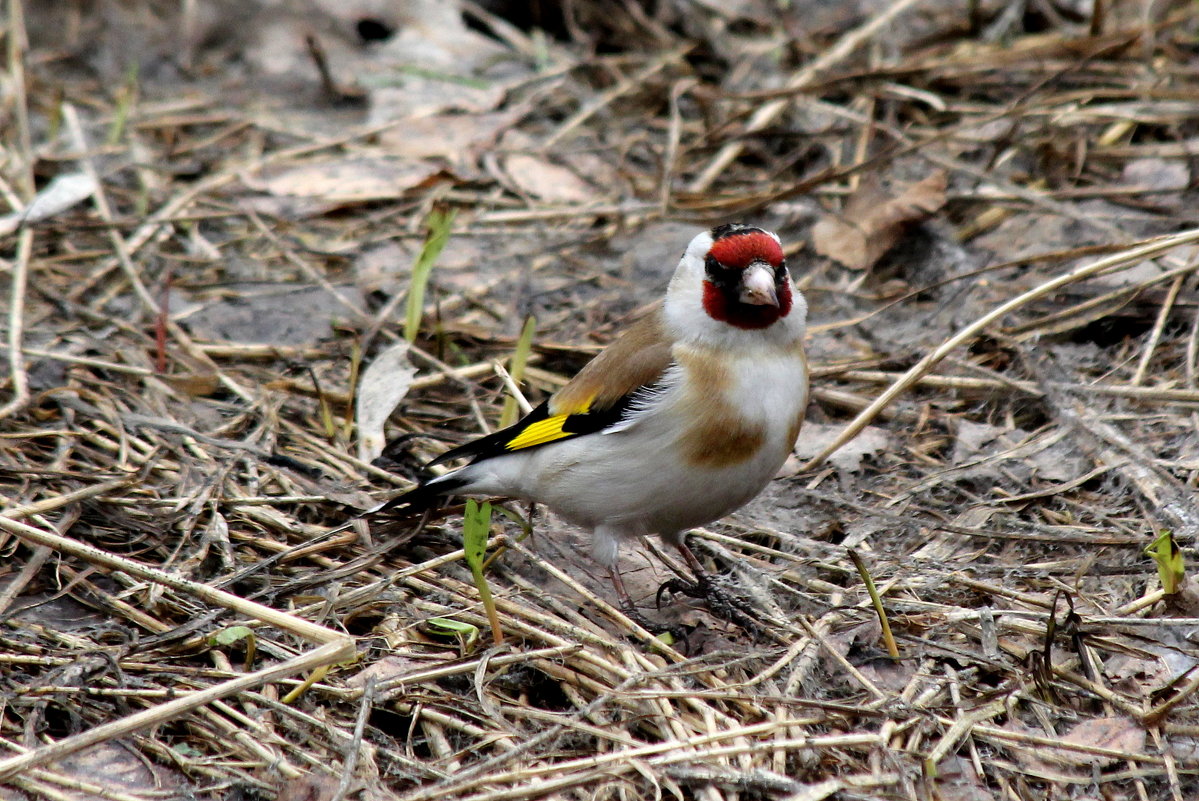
(126, 99)
(877, 601)
(187, 751)
(467, 633)
(476, 526)
(397, 80)
(326, 411)
(355, 371)
(310, 680)
(541, 50)
(517, 370)
(234, 634)
(1170, 568)
(439, 222)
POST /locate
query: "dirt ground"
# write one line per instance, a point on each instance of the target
(214, 216)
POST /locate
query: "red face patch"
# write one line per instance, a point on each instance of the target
(721, 305)
(729, 256)
(738, 251)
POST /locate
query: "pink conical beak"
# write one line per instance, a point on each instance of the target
(757, 285)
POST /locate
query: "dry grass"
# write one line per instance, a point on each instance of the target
(178, 607)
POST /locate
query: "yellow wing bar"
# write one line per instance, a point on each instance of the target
(539, 433)
(547, 430)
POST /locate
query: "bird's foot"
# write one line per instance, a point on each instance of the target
(722, 597)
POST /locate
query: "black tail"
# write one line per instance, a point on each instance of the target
(423, 496)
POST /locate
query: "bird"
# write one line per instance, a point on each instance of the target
(681, 420)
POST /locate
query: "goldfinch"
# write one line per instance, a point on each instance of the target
(681, 420)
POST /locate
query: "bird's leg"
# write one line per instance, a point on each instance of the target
(629, 610)
(690, 558)
(713, 589)
(622, 595)
(604, 542)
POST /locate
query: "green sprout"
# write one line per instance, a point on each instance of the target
(439, 222)
(1170, 568)
(233, 635)
(517, 370)
(877, 601)
(476, 526)
(467, 633)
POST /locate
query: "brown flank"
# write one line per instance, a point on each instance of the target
(801, 412)
(718, 437)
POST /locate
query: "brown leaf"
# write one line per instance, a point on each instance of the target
(1115, 733)
(114, 765)
(387, 668)
(383, 385)
(346, 180)
(816, 436)
(456, 138)
(1160, 174)
(194, 384)
(957, 781)
(886, 675)
(545, 180)
(309, 787)
(873, 222)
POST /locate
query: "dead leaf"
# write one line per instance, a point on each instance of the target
(267, 313)
(958, 781)
(790, 467)
(886, 674)
(1136, 675)
(816, 436)
(436, 63)
(383, 385)
(386, 669)
(1041, 761)
(387, 266)
(116, 766)
(971, 437)
(346, 180)
(196, 385)
(1115, 733)
(1060, 462)
(1183, 748)
(545, 180)
(420, 96)
(457, 138)
(862, 634)
(873, 222)
(59, 195)
(310, 787)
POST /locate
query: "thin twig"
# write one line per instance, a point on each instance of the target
(767, 114)
(931, 359)
(16, 322)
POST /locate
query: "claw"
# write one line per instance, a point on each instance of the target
(677, 586)
(721, 601)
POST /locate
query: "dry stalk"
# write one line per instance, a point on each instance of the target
(333, 647)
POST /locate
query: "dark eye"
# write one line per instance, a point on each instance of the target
(780, 272)
(715, 270)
